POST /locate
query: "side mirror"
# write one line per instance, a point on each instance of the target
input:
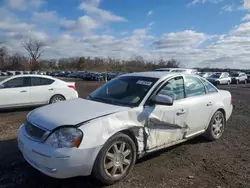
(163, 100)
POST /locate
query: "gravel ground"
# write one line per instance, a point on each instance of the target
(196, 163)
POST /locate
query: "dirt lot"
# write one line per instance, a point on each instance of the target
(197, 163)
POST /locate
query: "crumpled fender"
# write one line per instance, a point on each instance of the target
(103, 128)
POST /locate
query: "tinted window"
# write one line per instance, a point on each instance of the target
(235, 75)
(216, 75)
(209, 87)
(36, 81)
(17, 82)
(174, 88)
(194, 86)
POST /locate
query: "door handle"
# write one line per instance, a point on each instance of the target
(23, 91)
(51, 89)
(209, 104)
(182, 112)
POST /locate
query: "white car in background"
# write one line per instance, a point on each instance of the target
(239, 77)
(124, 119)
(32, 90)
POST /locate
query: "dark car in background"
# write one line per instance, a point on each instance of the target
(248, 76)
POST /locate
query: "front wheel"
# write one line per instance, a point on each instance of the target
(245, 82)
(115, 160)
(216, 126)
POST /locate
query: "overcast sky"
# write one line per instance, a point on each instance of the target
(213, 33)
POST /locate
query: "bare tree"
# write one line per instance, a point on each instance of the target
(3, 56)
(34, 48)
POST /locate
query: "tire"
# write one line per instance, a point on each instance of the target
(215, 130)
(245, 81)
(112, 162)
(56, 98)
(228, 82)
(237, 82)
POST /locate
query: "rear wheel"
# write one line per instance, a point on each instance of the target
(216, 126)
(115, 160)
(56, 98)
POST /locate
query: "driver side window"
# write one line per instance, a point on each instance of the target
(174, 88)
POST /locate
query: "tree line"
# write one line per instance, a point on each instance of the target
(34, 62)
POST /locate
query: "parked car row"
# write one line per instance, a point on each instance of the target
(218, 78)
(89, 76)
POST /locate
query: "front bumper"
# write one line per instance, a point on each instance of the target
(57, 163)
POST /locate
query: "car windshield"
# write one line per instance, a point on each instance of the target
(124, 91)
(215, 75)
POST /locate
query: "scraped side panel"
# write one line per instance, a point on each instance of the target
(164, 126)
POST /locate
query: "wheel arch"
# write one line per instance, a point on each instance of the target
(57, 94)
(131, 134)
(219, 109)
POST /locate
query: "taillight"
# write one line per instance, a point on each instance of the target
(72, 87)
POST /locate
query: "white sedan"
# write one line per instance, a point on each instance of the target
(134, 114)
(32, 90)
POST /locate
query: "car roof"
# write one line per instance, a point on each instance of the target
(156, 74)
(33, 75)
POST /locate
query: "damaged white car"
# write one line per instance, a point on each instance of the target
(134, 114)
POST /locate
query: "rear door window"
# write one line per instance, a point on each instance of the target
(36, 81)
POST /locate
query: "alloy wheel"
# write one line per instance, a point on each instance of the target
(118, 159)
(218, 126)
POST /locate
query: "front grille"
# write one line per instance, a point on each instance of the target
(33, 131)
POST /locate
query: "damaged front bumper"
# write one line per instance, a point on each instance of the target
(57, 163)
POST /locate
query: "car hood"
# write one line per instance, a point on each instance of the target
(71, 112)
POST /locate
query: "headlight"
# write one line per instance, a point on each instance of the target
(67, 137)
